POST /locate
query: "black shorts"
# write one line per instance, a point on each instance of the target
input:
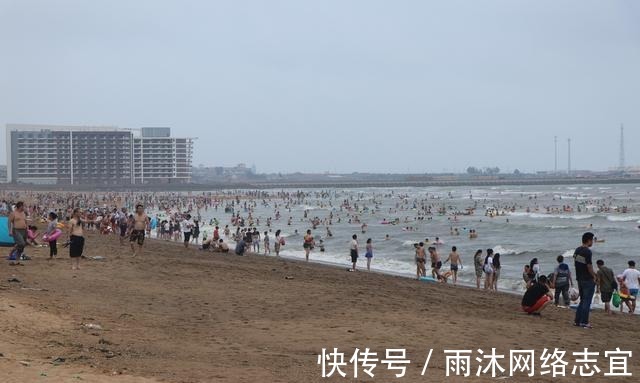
(307, 246)
(187, 236)
(454, 267)
(354, 256)
(76, 246)
(437, 265)
(606, 297)
(137, 236)
(123, 230)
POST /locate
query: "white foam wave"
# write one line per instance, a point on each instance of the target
(544, 215)
(622, 218)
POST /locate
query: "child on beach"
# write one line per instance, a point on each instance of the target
(51, 228)
(32, 235)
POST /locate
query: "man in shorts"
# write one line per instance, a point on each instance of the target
(456, 263)
(140, 225)
(606, 285)
(631, 278)
(436, 264)
(18, 229)
(354, 252)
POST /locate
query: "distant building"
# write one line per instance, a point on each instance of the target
(49, 154)
(158, 157)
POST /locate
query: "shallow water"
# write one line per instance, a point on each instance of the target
(518, 236)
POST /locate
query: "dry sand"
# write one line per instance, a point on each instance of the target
(176, 315)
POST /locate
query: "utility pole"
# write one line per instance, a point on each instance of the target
(622, 159)
(569, 156)
(555, 144)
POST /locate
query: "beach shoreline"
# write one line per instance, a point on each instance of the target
(180, 315)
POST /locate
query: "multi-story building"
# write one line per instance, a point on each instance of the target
(47, 154)
(150, 152)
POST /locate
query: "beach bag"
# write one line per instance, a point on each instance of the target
(615, 299)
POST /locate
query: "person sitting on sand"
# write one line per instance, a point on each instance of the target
(444, 277)
(32, 235)
(537, 297)
(207, 244)
(222, 246)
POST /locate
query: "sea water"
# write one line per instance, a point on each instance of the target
(531, 231)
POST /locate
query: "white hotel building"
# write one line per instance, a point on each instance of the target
(72, 155)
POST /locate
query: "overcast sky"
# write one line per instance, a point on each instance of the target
(336, 85)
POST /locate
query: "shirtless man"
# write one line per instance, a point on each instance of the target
(140, 225)
(18, 229)
(436, 264)
(76, 239)
(456, 262)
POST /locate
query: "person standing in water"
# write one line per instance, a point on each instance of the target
(478, 263)
(369, 254)
(354, 252)
(277, 243)
(140, 223)
(308, 244)
(76, 239)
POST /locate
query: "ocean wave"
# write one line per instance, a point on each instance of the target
(623, 218)
(506, 251)
(544, 215)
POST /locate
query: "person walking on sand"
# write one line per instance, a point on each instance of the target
(138, 230)
(606, 285)
(586, 278)
(186, 225)
(18, 230)
(76, 239)
(562, 281)
(478, 263)
(51, 228)
(308, 244)
(354, 252)
(456, 263)
(631, 278)
(369, 253)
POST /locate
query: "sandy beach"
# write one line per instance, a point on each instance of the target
(175, 315)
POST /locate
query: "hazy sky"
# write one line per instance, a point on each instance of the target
(336, 85)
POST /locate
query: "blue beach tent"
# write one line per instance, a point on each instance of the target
(5, 238)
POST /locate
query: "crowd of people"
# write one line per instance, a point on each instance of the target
(620, 290)
(68, 215)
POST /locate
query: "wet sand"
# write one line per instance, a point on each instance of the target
(175, 315)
